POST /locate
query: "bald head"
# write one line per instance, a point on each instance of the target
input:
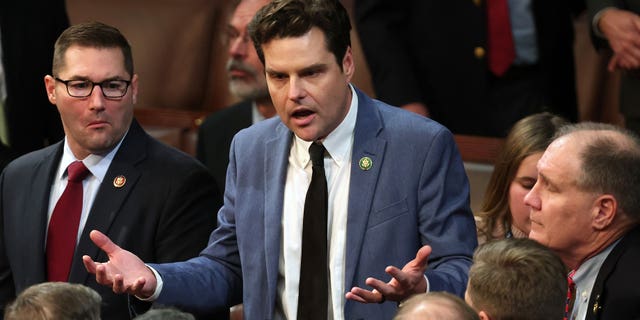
(435, 306)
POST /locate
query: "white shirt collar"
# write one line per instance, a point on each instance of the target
(97, 164)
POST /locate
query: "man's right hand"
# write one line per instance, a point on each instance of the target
(124, 272)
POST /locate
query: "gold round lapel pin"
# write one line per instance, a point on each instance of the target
(119, 181)
(365, 163)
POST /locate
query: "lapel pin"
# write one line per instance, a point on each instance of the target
(365, 163)
(119, 181)
(596, 305)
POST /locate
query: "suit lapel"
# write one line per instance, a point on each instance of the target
(596, 300)
(110, 197)
(367, 143)
(276, 160)
(41, 180)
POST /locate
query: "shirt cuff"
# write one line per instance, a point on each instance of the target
(596, 20)
(159, 284)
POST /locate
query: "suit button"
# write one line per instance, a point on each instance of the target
(479, 52)
(477, 2)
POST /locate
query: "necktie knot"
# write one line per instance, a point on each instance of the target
(316, 153)
(77, 171)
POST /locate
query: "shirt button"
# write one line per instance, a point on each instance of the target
(479, 52)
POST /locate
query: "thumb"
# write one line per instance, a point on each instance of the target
(422, 256)
(103, 242)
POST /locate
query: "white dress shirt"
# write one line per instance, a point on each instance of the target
(97, 165)
(339, 145)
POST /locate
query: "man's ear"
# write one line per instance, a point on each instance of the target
(483, 315)
(50, 86)
(604, 211)
(348, 64)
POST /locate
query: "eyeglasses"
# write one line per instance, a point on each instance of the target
(84, 88)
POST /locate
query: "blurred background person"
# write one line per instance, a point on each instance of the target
(503, 212)
(55, 301)
(615, 25)
(247, 82)
(444, 59)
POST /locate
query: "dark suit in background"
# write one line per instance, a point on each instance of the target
(29, 31)
(616, 294)
(434, 52)
(164, 212)
(215, 135)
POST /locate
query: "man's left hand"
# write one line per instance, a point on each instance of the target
(404, 283)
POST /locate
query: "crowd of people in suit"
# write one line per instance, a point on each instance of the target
(558, 228)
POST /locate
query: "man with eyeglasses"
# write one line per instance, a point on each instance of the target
(149, 198)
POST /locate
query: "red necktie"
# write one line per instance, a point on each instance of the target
(571, 295)
(499, 37)
(63, 227)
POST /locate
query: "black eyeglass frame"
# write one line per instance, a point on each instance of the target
(93, 85)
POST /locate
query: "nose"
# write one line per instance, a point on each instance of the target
(532, 198)
(238, 47)
(96, 99)
(296, 89)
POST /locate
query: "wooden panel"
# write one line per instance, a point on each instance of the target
(478, 149)
(177, 128)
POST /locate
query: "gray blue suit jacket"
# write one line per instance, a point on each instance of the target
(416, 193)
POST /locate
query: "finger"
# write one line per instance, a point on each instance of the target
(422, 257)
(366, 295)
(633, 61)
(89, 264)
(138, 287)
(354, 297)
(376, 284)
(103, 242)
(118, 283)
(397, 274)
(101, 275)
(613, 63)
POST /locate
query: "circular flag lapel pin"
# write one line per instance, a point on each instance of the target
(365, 163)
(119, 181)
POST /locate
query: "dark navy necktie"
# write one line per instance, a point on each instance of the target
(314, 278)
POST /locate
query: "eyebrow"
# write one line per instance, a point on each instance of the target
(312, 68)
(546, 181)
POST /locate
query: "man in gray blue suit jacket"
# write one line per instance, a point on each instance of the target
(392, 192)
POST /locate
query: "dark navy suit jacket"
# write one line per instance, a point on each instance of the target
(164, 212)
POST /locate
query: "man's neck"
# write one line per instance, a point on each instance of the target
(602, 241)
(265, 107)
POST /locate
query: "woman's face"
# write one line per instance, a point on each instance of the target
(523, 182)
